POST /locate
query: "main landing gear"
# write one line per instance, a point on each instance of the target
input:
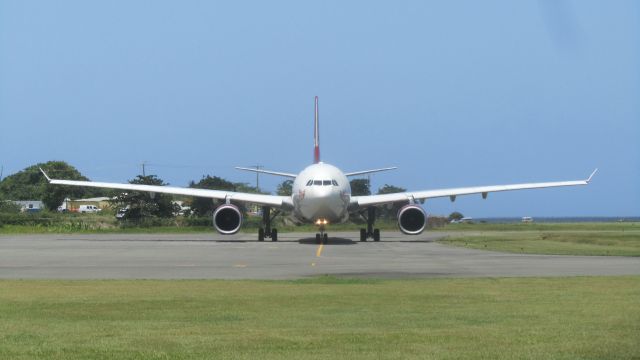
(266, 231)
(370, 232)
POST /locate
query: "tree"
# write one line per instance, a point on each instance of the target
(30, 184)
(455, 216)
(7, 206)
(246, 188)
(144, 204)
(285, 188)
(360, 187)
(390, 210)
(203, 206)
(390, 189)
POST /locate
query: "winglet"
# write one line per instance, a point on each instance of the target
(45, 175)
(590, 176)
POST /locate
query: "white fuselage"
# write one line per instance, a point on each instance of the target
(321, 192)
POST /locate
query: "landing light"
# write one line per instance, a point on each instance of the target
(322, 222)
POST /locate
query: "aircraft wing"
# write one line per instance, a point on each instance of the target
(369, 200)
(261, 199)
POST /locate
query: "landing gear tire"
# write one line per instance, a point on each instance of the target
(376, 235)
(370, 232)
(266, 231)
(325, 238)
(317, 238)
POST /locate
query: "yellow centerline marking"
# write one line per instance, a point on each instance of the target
(319, 251)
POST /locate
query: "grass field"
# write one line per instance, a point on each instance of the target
(545, 226)
(73, 229)
(73, 223)
(322, 318)
(66, 229)
(622, 239)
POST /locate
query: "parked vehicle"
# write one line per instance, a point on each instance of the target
(88, 209)
(121, 213)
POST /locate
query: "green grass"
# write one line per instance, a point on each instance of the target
(325, 318)
(536, 226)
(71, 223)
(621, 239)
(81, 229)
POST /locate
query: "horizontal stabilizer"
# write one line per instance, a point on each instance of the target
(277, 173)
(354, 173)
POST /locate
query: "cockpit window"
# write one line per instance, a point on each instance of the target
(322, 182)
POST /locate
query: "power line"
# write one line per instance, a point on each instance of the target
(179, 166)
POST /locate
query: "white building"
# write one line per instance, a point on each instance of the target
(29, 205)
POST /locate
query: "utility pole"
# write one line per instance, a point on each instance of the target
(258, 167)
(1, 170)
(143, 169)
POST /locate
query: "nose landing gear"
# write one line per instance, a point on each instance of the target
(322, 237)
(370, 232)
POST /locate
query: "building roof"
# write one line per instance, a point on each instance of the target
(104, 198)
(27, 202)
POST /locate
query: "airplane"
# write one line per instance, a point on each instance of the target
(321, 195)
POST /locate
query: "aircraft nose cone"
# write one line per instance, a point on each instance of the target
(323, 192)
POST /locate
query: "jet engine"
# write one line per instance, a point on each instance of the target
(412, 219)
(227, 219)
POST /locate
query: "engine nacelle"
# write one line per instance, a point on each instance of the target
(412, 219)
(227, 219)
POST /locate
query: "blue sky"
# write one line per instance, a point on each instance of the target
(454, 93)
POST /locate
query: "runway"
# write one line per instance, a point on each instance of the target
(296, 255)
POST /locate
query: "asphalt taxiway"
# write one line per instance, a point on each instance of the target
(296, 255)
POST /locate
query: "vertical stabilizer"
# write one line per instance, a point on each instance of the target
(316, 137)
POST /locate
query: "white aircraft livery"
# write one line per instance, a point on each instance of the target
(321, 195)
